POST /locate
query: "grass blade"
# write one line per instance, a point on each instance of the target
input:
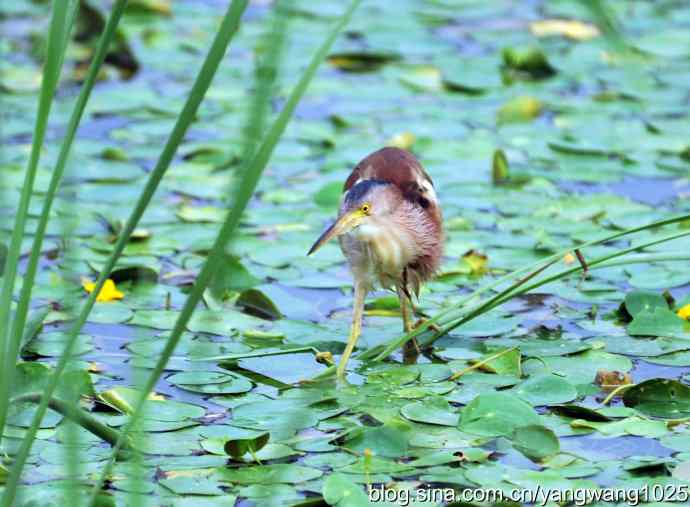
(228, 28)
(14, 340)
(248, 183)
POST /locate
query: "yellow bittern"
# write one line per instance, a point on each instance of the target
(390, 229)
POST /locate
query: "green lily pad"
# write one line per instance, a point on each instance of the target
(535, 441)
(545, 389)
(388, 440)
(658, 322)
(192, 486)
(255, 302)
(269, 474)
(496, 414)
(123, 399)
(639, 301)
(340, 491)
(211, 382)
(431, 411)
(239, 447)
(660, 398)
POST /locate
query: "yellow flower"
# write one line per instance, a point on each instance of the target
(684, 312)
(109, 291)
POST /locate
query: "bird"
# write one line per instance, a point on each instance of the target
(390, 230)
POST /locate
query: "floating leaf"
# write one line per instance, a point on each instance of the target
(361, 61)
(201, 214)
(477, 262)
(545, 389)
(389, 440)
(211, 382)
(529, 63)
(504, 362)
(535, 441)
(496, 414)
(657, 322)
(422, 78)
(123, 400)
(232, 275)
(499, 168)
(329, 195)
(134, 274)
(431, 411)
(640, 300)
(255, 302)
(576, 411)
(34, 377)
(519, 109)
(340, 491)
(237, 448)
(192, 486)
(660, 398)
(269, 474)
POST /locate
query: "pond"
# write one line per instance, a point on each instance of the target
(541, 133)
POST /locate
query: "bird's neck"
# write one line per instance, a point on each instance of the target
(389, 243)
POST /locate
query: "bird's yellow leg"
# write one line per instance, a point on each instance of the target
(411, 349)
(404, 309)
(355, 329)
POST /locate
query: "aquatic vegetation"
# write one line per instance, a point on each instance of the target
(165, 339)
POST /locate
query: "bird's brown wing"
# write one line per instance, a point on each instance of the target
(395, 165)
(401, 168)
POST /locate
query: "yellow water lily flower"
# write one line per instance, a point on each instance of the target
(109, 291)
(684, 312)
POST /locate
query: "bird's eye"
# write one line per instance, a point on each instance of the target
(365, 208)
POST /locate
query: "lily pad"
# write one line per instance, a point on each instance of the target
(431, 411)
(535, 441)
(496, 414)
(660, 398)
(269, 474)
(211, 382)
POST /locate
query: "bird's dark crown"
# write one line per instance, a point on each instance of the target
(358, 191)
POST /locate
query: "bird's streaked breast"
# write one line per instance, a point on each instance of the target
(389, 249)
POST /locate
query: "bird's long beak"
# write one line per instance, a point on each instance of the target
(343, 225)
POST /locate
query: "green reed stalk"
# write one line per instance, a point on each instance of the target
(19, 322)
(51, 74)
(505, 296)
(84, 419)
(380, 353)
(228, 28)
(250, 179)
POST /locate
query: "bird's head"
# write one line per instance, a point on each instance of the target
(364, 205)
